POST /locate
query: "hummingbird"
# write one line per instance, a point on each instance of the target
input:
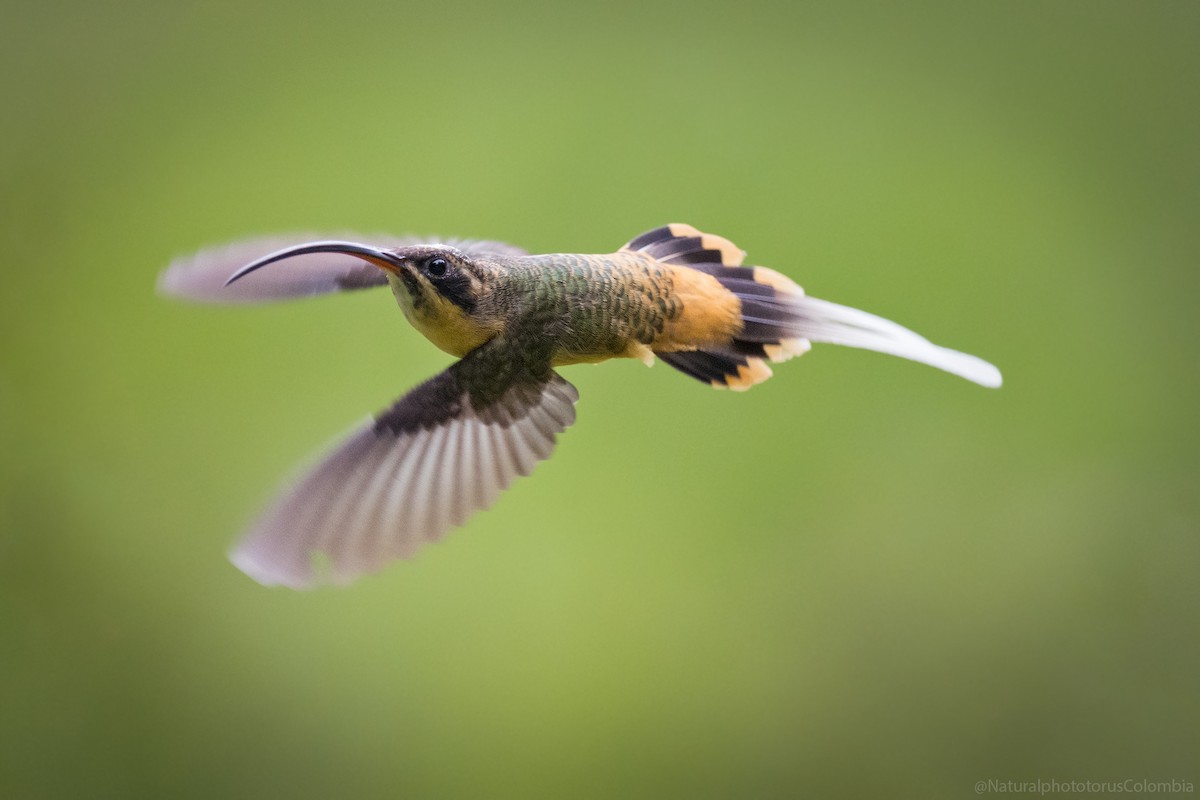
(447, 448)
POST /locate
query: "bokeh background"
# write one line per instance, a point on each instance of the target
(862, 578)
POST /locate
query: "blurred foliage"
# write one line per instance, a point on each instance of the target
(863, 577)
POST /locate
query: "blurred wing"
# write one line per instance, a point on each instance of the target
(444, 451)
(202, 276)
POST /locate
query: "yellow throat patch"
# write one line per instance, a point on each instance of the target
(446, 325)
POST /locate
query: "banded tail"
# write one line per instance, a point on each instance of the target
(778, 321)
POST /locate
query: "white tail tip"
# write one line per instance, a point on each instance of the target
(822, 321)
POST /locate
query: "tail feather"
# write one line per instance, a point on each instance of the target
(682, 244)
(707, 366)
(723, 369)
(822, 321)
(779, 321)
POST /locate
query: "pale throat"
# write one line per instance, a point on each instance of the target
(439, 320)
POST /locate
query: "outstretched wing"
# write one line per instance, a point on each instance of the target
(423, 466)
(201, 276)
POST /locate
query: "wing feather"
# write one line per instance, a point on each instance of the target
(424, 466)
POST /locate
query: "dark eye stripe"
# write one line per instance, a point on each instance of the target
(455, 286)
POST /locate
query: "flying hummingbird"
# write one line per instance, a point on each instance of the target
(450, 446)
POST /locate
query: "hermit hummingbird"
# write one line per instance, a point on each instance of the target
(448, 447)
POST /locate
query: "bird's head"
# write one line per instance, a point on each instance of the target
(441, 290)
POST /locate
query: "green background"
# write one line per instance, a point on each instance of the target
(863, 578)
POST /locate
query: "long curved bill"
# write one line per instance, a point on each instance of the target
(380, 258)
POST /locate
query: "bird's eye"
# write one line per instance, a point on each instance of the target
(436, 267)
